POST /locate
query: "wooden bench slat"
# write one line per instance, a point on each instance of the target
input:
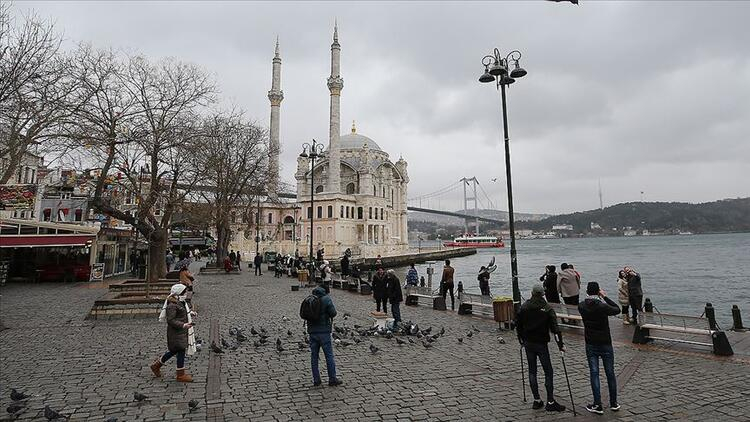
(676, 329)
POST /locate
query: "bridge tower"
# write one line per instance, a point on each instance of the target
(474, 198)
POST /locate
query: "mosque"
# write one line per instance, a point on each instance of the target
(359, 192)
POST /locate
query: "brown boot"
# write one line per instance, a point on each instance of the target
(183, 377)
(156, 368)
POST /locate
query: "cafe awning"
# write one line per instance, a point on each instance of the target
(37, 234)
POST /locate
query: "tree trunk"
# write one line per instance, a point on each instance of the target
(157, 252)
(223, 234)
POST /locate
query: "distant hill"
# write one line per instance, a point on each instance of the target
(727, 215)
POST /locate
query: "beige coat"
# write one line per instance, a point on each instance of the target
(622, 291)
(568, 283)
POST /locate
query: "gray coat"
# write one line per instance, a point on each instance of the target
(177, 336)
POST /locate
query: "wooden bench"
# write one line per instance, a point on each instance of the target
(681, 329)
(473, 304)
(567, 313)
(413, 293)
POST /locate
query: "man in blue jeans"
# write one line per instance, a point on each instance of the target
(320, 336)
(595, 311)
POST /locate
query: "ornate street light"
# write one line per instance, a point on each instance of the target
(496, 69)
(312, 150)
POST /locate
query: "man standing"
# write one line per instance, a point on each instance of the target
(170, 260)
(534, 322)
(484, 281)
(380, 289)
(238, 260)
(595, 311)
(446, 282)
(257, 261)
(233, 257)
(320, 337)
(395, 295)
(345, 266)
(568, 284)
(635, 292)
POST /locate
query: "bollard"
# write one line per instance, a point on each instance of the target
(711, 316)
(737, 319)
(648, 306)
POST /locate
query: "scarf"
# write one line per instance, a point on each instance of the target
(175, 291)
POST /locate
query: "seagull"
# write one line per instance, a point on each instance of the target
(193, 404)
(16, 395)
(52, 415)
(139, 397)
(373, 349)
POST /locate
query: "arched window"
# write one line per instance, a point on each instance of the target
(309, 212)
(347, 212)
(330, 211)
(383, 191)
(270, 218)
(370, 213)
(374, 191)
(350, 188)
(320, 212)
(319, 189)
(288, 219)
(342, 211)
(359, 213)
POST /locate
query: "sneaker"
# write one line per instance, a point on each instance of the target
(538, 404)
(595, 408)
(554, 406)
(615, 407)
(335, 382)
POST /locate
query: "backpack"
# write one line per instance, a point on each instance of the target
(309, 310)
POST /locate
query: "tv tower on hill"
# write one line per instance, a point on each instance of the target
(601, 202)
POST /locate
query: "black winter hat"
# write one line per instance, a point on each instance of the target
(592, 288)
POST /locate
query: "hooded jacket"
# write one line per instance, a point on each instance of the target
(394, 289)
(327, 313)
(535, 320)
(595, 312)
(568, 283)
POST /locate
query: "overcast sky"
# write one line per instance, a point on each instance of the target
(644, 96)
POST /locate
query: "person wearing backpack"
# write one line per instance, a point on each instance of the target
(318, 311)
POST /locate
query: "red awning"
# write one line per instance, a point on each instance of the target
(36, 241)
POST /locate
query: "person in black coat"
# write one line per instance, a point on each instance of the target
(257, 261)
(595, 311)
(380, 289)
(635, 292)
(345, 266)
(535, 320)
(394, 295)
(549, 281)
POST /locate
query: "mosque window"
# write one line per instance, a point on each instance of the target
(330, 211)
(320, 212)
(270, 218)
(309, 212)
(347, 212)
(359, 212)
(319, 189)
(370, 212)
(350, 188)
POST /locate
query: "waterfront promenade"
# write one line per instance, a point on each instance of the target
(90, 369)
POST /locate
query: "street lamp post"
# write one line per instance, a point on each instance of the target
(312, 150)
(498, 69)
(257, 229)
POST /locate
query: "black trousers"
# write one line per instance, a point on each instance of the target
(571, 300)
(384, 301)
(449, 288)
(534, 351)
(636, 304)
(257, 270)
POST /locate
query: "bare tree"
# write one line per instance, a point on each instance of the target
(34, 86)
(236, 165)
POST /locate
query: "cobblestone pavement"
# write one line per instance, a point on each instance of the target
(90, 369)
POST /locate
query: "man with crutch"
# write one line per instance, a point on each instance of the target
(535, 320)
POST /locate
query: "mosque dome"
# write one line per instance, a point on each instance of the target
(354, 140)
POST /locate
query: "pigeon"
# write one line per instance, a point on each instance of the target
(289, 333)
(139, 397)
(278, 342)
(469, 334)
(357, 340)
(263, 330)
(389, 335)
(111, 419)
(427, 331)
(16, 395)
(263, 340)
(414, 330)
(241, 337)
(337, 341)
(279, 347)
(192, 405)
(420, 335)
(232, 331)
(256, 343)
(336, 336)
(253, 332)
(426, 345)
(52, 415)
(301, 346)
(224, 343)
(373, 349)
(429, 339)
(215, 348)
(285, 319)
(15, 407)
(345, 343)
(410, 340)
(460, 339)
(501, 340)
(400, 342)
(442, 331)
(474, 328)
(347, 314)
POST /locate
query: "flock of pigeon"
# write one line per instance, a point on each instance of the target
(343, 336)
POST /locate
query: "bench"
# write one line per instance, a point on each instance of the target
(567, 313)
(472, 304)
(681, 329)
(413, 293)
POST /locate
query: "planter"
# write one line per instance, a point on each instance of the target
(503, 310)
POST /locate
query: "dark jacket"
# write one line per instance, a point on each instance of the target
(549, 281)
(394, 289)
(177, 336)
(345, 266)
(380, 286)
(257, 260)
(634, 285)
(535, 320)
(595, 313)
(447, 275)
(327, 312)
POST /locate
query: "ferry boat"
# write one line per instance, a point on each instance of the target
(475, 242)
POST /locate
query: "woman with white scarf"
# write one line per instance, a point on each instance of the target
(180, 332)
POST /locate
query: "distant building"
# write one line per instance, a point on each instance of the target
(562, 227)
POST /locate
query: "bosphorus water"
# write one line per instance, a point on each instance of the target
(680, 273)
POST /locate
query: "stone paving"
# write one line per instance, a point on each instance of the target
(90, 369)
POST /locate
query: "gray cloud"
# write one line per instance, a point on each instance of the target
(646, 96)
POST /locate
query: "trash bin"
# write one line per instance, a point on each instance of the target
(503, 309)
(302, 275)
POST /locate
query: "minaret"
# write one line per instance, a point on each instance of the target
(335, 85)
(275, 95)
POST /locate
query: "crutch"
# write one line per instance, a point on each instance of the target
(523, 380)
(565, 368)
